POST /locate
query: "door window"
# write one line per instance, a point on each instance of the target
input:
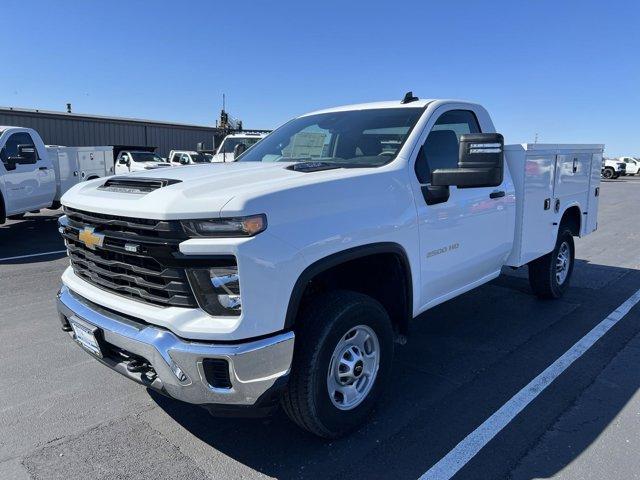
(10, 148)
(440, 149)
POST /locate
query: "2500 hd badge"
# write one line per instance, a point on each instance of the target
(438, 251)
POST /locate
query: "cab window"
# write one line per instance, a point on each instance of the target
(10, 148)
(440, 149)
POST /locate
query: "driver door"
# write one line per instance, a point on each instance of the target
(121, 164)
(463, 236)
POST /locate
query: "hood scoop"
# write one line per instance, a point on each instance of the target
(136, 185)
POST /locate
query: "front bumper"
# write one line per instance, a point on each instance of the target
(255, 368)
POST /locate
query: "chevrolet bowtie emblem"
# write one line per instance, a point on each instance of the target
(90, 238)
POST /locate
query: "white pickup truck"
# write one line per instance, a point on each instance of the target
(226, 152)
(612, 168)
(35, 176)
(288, 279)
(128, 161)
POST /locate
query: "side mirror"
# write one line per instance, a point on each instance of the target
(10, 163)
(27, 154)
(480, 163)
(239, 149)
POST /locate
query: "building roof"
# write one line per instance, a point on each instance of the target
(81, 116)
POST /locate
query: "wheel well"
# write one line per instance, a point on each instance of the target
(384, 275)
(572, 219)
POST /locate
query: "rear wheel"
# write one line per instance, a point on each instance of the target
(342, 362)
(549, 276)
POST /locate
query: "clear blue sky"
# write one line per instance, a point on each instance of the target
(568, 70)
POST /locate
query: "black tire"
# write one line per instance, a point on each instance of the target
(17, 216)
(616, 176)
(322, 325)
(55, 206)
(608, 173)
(542, 271)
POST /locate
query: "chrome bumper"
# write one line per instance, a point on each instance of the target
(254, 367)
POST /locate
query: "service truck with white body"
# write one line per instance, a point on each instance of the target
(289, 275)
(34, 176)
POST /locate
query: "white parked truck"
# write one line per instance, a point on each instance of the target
(188, 157)
(289, 275)
(34, 176)
(226, 152)
(612, 168)
(632, 165)
(133, 160)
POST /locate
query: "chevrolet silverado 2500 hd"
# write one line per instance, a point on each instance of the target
(288, 276)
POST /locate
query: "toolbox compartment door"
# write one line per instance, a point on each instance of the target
(591, 223)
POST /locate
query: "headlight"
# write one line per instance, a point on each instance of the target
(226, 227)
(217, 289)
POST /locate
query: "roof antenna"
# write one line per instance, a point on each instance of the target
(408, 98)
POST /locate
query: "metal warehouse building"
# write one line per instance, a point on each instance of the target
(71, 129)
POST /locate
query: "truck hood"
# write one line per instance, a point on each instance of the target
(199, 191)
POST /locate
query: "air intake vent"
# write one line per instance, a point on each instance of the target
(309, 166)
(136, 185)
(216, 371)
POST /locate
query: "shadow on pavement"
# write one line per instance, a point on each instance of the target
(32, 235)
(464, 359)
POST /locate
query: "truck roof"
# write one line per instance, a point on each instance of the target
(373, 105)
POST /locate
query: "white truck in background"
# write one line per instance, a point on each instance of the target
(34, 176)
(289, 275)
(612, 168)
(632, 165)
(130, 160)
(226, 152)
(188, 157)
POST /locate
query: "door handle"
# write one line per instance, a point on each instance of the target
(497, 194)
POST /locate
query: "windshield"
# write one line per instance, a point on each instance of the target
(230, 143)
(145, 157)
(354, 138)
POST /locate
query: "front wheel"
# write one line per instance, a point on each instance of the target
(341, 365)
(608, 173)
(549, 275)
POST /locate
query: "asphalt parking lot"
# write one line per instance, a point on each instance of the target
(63, 415)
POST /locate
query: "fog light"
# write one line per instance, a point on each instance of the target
(217, 289)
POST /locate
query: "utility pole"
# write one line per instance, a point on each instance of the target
(536, 139)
